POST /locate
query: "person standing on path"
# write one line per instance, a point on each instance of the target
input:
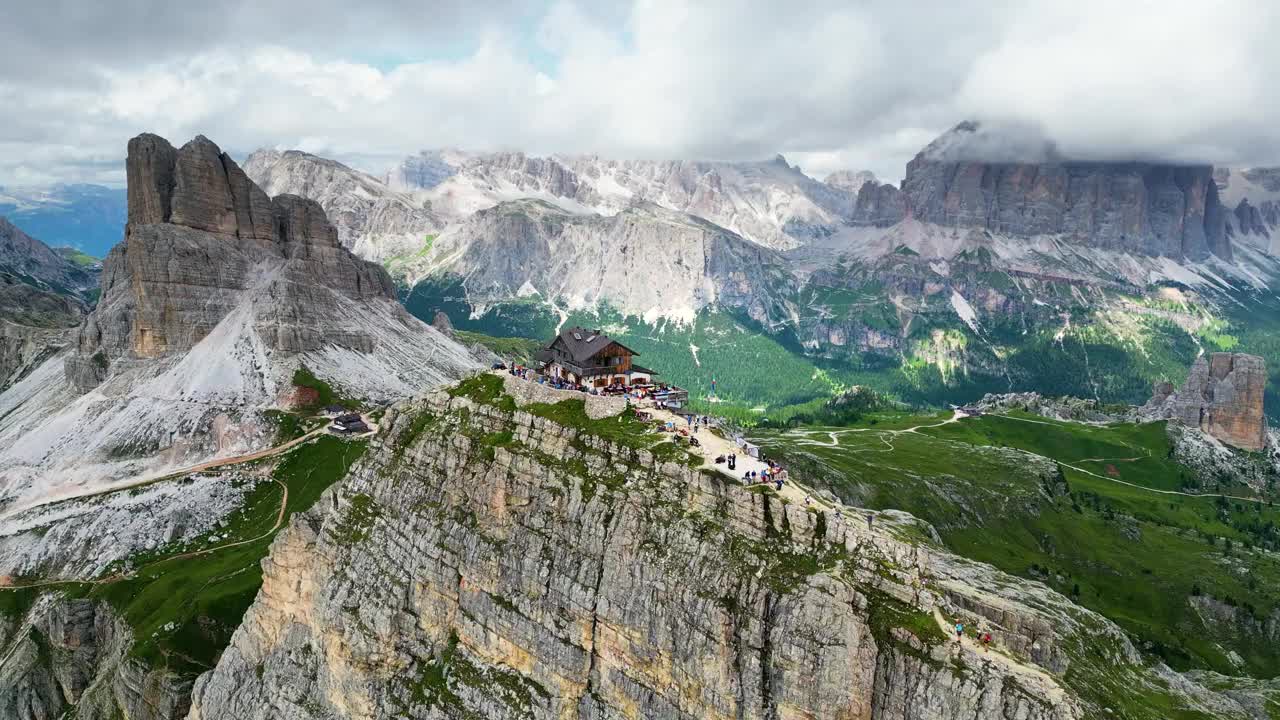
(959, 631)
(871, 517)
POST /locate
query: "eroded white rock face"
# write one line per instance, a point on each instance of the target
(373, 220)
(646, 260)
(770, 203)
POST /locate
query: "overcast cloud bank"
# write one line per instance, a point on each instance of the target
(831, 85)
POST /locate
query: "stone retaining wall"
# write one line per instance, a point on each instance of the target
(526, 392)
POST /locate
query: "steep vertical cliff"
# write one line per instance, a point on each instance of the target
(1141, 208)
(173, 280)
(495, 561)
(1223, 396)
(210, 305)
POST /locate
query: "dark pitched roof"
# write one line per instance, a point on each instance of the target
(642, 369)
(585, 344)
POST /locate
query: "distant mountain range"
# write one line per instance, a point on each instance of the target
(44, 293)
(1032, 272)
(86, 217)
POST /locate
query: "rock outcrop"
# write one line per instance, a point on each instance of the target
(215, 299)
(442, 323)
(200, 234)
(879, 205)
(1223, 396)
(486, 561)
(73, 655)
(1255, 193)
(1140, 208)
(373, 220)
(525, 247)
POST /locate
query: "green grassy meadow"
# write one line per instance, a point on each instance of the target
(996, 490)
(184, 601)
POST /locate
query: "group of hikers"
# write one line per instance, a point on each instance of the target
(773, 475)
(984, 637)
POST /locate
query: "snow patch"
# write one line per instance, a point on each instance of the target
(964, 310)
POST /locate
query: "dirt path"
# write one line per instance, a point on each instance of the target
(713, 445)
(1122, 482)
(152, 479)
(284, 504)
(978, 657)
(956, 416)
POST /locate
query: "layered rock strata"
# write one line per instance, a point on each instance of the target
(199, 235)
(73, 656)
(1223, 396)
(488, 562)
(1147, 209)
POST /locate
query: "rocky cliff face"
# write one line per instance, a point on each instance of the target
(1222, 396)
(215, 298)
(1255, 195)
(770, 203)
(489, 562)
(373, 220)
(66, 655)
(1140, 208)
(532, 247)
(879, 205)
(200, 234)
(566, 577)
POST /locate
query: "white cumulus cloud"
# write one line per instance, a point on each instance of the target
(832, 85)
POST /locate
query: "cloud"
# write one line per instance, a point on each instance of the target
(830, 84)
